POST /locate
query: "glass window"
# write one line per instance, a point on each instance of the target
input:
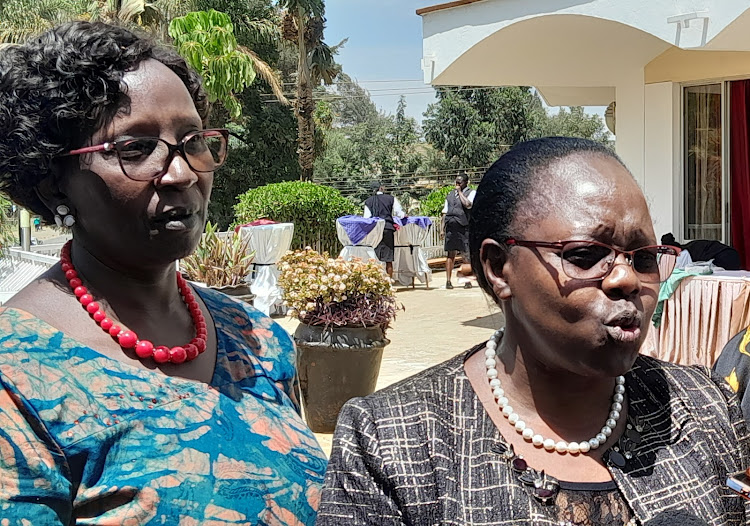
(703, 167)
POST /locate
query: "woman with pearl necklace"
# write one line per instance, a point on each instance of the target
(556, 420)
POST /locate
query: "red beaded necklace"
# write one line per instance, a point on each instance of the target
(128, 339)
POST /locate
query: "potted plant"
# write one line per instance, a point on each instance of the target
(220, 262)
(344, 309)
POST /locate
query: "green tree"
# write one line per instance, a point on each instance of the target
(267, 126)
(206, 40)
(375, 146)
(351, 103)
(473, 125)
(574, 122)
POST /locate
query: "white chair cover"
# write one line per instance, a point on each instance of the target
(365, 248)
(409, 260)
(269, 242)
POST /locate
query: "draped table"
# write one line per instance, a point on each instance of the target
(359, 235)
(700, 318)
(409, 261)
(269, 242)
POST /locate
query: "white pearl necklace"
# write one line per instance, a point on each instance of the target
(528, 434)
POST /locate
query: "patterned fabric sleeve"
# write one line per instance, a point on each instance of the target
(34, 474)
(355, 490)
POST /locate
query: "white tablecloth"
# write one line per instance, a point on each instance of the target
(409, 261)
(700, 318)
(365, 248)
(269, 242)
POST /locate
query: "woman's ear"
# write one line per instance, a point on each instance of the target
(49, 193)
(493, 258)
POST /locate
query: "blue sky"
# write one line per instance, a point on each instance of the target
(385, 44)
(384, 50)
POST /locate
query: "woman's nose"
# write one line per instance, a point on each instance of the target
(178, 173)
(622, 279)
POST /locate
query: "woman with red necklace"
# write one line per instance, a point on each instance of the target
(127, 396)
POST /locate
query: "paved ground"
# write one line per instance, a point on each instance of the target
(436, 325)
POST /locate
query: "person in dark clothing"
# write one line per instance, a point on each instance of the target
(456, 212)
(384, 206)
(722, 255)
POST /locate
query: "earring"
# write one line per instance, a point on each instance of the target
(64, 217)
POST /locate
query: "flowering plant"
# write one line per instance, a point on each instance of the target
(321, 290)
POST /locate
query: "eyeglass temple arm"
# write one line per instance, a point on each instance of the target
(90, 149)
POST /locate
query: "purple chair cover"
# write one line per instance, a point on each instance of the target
(357, 227)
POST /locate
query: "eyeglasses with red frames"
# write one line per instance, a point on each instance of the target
(148, 158)
(593, 261)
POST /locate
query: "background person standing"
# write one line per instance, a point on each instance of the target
(456, 224)
(384, 206)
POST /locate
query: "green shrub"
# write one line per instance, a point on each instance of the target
(432, 205)
(311, 207)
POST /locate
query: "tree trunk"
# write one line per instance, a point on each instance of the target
(305, 105)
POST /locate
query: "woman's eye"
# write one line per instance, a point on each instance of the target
(585, 257)
(135, 150)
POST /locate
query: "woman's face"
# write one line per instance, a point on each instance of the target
(142, 223)
(578, 325)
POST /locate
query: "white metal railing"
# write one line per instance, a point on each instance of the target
(433, 245)
(19, 268)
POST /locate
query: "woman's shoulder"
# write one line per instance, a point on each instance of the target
(434, 389)
(665, 378)
(243, 329)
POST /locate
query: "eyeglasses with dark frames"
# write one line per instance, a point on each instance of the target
(148, 158)
(593, 261)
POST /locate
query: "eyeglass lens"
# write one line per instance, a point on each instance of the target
(592, 261)
(145, 158)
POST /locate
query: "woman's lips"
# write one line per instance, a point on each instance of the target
(624, 327)
(628, 334)
(177, 220)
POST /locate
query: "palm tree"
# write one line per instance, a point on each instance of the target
(303, 25)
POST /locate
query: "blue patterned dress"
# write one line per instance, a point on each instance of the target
(88, 440)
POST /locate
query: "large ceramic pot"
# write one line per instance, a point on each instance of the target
(239, 292)
(335, 365)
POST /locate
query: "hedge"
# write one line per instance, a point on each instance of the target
(312, 208)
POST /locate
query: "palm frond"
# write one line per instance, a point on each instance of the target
(260, 31)
(267, 73)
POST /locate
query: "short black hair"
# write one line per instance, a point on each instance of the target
(509, 182)
(58, 89)
(375, 186)
(463, 176)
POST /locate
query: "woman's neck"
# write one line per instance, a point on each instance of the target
(142, 290)
(564, 400)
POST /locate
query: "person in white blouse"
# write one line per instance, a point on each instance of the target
(384, 206)
(456, 223)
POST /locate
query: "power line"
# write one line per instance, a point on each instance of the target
(360, 82)
(329, 96)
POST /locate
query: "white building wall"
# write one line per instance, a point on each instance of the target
(630, 123)
(661, 156)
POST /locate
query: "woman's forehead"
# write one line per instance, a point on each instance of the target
(588, 196)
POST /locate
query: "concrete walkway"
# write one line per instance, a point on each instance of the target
(436, 325)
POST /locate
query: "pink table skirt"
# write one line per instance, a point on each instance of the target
(699, 319)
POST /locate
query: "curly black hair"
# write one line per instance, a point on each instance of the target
(58, 89)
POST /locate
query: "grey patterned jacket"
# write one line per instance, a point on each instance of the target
(424, 452)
